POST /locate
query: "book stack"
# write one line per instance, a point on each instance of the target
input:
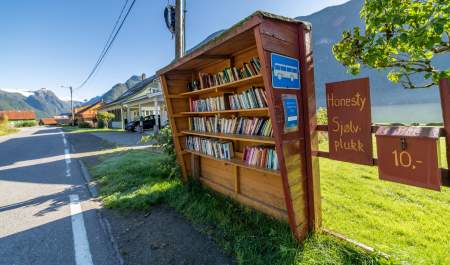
(249, 99)
(235, 125)
(261, 156)
(231, 74)
(215, 148)
(208, 104)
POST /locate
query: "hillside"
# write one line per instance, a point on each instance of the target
(327, 26)
(117, 90)
(43, 101)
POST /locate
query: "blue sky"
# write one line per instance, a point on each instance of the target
(49, 43)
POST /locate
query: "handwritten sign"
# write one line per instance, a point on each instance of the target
(349, 121)
(409, 155)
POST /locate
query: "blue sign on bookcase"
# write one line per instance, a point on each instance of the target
(285, 72)
(290, 107)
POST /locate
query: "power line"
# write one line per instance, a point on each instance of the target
(109, 42)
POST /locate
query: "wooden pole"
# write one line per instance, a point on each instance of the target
(179, 29)
(444, 91)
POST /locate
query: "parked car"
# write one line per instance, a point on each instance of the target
(149, 123)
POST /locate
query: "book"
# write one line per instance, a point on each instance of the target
(211, 147)
(227, 75)
(261, 156)
(251, 98)
(258, 126)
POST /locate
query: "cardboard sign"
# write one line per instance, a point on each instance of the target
(290, 108)
(409, 155)
(349, 121)
(285, 72)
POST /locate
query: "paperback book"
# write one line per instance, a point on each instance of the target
(231, 74)
(261, 156)
(249, 99)
(211, 147)
(235, 125)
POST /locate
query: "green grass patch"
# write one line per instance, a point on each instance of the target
(70, 129)
(6, 131)
(135, 180)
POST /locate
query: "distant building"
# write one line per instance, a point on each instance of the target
(48, 121)
(143, 99)
(88, 113)
(18, 115)
(62, 119)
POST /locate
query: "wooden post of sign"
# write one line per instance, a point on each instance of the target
(444, 91)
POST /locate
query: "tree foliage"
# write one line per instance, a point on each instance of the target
(105, 117)
(402, 35)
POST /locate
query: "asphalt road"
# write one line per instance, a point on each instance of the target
(46, 216)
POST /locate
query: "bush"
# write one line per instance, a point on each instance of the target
(3, 122)
(21, 124)
(322, 116)
(84, 124)
(165, 139)
(105, 117)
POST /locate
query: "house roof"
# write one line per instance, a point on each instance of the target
(222, 35)
(88, 107)
(48, 121)
(17, 115)
(132, 91)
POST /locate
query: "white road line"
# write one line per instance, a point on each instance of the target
(80, 240)
(66, 156)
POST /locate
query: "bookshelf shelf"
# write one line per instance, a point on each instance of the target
(236, 162)
(259, 110)
(237, 137)
(231, 85)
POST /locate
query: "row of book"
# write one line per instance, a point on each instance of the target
(261, 156)
(234, 125)
(249, 99)
(208, 104)
(216, 148)
(231, 74)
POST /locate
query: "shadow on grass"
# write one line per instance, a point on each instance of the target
(135, 180)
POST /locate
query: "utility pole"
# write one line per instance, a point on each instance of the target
(179, 29)
(71, 103)
(71, 106)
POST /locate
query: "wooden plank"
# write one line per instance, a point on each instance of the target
(172, 123)
(267, 209)
(311, 135)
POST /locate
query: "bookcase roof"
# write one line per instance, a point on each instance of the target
(221, 36)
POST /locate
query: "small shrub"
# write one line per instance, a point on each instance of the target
(84, 124)
(3, 122)
(21, 124)
(322, 116)
(105, 117)
(165, 140)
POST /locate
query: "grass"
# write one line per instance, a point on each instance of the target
(70, 129)
(406, 222)
(134, 180)
(7, 130)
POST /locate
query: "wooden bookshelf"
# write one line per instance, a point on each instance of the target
(234, 137)
(291, 193)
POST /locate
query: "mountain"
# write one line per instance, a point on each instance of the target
(43, 101)
(117, 90)
(327, 27)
